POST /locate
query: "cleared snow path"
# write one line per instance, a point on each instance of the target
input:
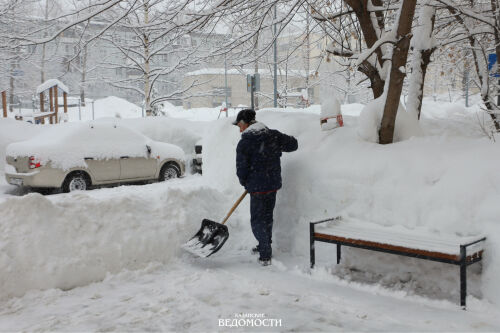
(192, 295)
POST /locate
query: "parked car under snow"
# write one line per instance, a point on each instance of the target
(77, 156)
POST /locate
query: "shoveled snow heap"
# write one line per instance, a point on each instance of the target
(406, 125)
(114, 107)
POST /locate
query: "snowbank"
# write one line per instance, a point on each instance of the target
(51, 242)
(406, 125)
(179, 132)
(330, 109)
(115, 107)
(445, 185)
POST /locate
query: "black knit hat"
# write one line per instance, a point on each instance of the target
(245, 115)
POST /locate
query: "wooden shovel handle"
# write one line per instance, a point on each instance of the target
(234, 206)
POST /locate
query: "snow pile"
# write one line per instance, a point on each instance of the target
(180, 132)
(406, 125)
(51, 242)
(114, 107)
(330, 109)
(334, 173)
(199, 114)
(438, 110)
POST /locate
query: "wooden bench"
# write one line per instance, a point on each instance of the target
(461, 251)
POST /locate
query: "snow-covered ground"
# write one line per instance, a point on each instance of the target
(110, 259)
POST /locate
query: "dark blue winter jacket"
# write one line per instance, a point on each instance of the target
(258, 157)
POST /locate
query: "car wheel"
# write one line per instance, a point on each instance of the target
(169, 171)
(76, 182)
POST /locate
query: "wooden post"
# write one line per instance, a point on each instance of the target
(4, 103)
(41, 102)
(56, 101)
(51, 103)
(51, 100)
(65, 97)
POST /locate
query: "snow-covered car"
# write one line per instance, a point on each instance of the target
(75, 156)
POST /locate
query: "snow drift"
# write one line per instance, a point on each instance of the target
(439, 184)
(405, 127)
(51, 242)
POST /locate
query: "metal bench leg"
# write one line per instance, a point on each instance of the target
(463, 277)
(311, 242)
(338, 254)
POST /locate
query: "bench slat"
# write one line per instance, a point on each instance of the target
(389, 247)
(393, 236)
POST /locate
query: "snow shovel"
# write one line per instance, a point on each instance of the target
(211, 236)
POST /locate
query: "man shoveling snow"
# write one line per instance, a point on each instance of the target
(258, 168)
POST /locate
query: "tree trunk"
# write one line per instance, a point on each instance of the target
(396, 76)
(376, 82)
(360, 8)
(42, 65)
(11, 92)
(13, 65)
(256, 68)
(484, 81)
(307, 58)
(421, 60)
(84, 74)
(494, 9)
(147, 87)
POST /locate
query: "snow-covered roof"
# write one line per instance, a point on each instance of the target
(50, 83)
(245, 71)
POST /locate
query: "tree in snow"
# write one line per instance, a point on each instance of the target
(144, 41)
(479, 25)
(382, 32)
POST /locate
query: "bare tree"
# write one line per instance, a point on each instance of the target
(144, 41)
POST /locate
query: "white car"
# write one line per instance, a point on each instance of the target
(74, 156)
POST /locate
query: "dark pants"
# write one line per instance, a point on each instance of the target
(261, 219)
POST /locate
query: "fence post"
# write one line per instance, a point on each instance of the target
(51, 104)
(41, 102)
(4, 103)
(56, 102)
(65, 97)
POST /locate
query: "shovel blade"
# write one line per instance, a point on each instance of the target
(208, 240)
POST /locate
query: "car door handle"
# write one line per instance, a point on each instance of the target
(124, 157)
(88, 158)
